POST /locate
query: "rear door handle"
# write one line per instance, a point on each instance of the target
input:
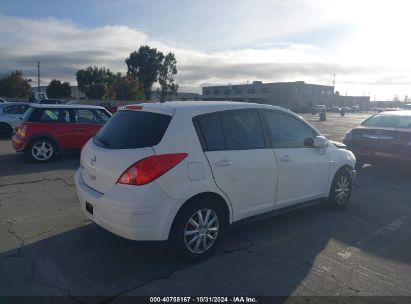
(285, 158)
(223, 163)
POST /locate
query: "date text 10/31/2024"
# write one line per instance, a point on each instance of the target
(203, 300)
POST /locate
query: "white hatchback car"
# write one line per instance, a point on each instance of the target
(185, 171)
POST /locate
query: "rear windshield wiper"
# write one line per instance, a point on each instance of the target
(103, 142)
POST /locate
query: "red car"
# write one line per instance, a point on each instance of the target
(50, 129)
(384, 136)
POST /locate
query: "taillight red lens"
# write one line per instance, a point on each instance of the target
(21, 129)
(148, 169)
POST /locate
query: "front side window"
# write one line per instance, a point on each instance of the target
(242, 130)
(286, 131)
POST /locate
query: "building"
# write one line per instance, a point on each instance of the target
(348, 101)
(297, 96)
(179, 96)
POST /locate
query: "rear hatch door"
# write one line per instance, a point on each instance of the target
(125, 139)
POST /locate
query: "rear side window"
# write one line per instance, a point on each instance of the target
(212, 133)
(54, 116)
(28, 115)
(231, 130)
(90, 116)
(15, 109)
(242, 130)
(132, 130)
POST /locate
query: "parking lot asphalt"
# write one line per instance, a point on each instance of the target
(48, 247)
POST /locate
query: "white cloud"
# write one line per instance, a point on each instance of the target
(365, 63)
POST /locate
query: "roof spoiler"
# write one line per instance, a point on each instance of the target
(150, 107)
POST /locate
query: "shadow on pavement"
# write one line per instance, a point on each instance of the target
(19, 163)
(309, 250)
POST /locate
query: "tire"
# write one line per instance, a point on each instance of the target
(5, 131)
(42, 150)
(341, 189)
(189, 238)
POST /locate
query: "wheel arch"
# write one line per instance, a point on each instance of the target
(6, 124)
(347, 167)
(204, 195)
(43, 136)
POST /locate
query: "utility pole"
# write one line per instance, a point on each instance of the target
(38, 76)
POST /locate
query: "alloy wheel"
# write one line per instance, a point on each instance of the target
(42, 150)
(342, 190)
(201, 231)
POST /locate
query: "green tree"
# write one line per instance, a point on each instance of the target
(57, 89)
(126, 88)
(166, 77)
(14, 85)
(144, 66)
(94, 81)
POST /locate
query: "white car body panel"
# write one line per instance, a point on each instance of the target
(255, 182)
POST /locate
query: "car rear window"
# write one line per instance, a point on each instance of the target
(132, 130)
(388, 121)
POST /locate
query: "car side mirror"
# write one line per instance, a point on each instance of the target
(308, 142)
(320, 142)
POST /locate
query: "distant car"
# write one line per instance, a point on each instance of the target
(109, 107)
(355, 109)
(335, 109)
(2, 100)
(11, 114)
(50, 129)
(50, 101)
(74, 102)
(384, 136)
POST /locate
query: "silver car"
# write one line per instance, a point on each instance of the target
(11, 113)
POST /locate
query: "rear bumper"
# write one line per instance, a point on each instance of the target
(130, 216)
(375, 157)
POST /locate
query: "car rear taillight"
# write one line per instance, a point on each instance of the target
(148, 169)
(21, 130)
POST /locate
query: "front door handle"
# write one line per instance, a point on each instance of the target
(285, 158)
(223, 163)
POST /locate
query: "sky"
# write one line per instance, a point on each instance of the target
(365, 43)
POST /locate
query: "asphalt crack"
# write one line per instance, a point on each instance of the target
(62, 179)
(30, 278)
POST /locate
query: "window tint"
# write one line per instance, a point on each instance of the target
(212, 133)
(388, 121)
(89, 116)
(132, 130)
(54, 116)
(28, 115)
(242, 130)
(15, 109)
(286, 131)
